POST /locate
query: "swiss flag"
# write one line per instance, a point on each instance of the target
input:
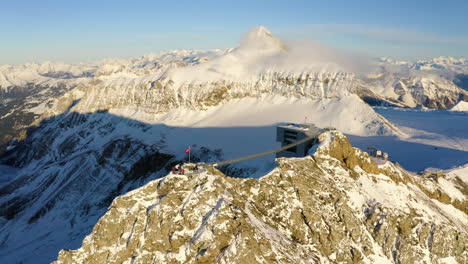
(187, 150)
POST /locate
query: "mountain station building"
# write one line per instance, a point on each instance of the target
(290, 133)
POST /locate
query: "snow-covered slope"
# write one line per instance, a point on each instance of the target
(46, 73)
(336, 206)
(54, 73)
(445, 63)
(460, 173)
(460, 106)
(430, 138)
(404, 83)
(27, 91)
(349, 114)
(458, 66)
(435, 83)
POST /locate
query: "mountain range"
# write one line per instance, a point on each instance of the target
(78, 136)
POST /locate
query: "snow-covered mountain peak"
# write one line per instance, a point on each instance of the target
(261, 55)
(261, 38)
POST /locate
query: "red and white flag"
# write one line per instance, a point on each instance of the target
(187, 150)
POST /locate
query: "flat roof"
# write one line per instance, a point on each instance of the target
(301, 127)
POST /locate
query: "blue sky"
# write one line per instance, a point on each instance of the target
(72, 31)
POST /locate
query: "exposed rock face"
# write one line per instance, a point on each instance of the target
(334, 206)
(432, 92)
(163, 95)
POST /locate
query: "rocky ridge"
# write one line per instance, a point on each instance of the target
(334, 206)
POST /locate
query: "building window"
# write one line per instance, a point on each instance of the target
(291, 149)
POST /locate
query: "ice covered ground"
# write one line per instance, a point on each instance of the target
(433, 127)
(460, 172)
(432, 138)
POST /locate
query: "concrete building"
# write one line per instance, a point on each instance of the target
(290, 133)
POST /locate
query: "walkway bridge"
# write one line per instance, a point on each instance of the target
(258, 155)
(312, 137)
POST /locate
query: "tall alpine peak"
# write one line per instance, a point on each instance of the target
(262, 31)
(260, 38)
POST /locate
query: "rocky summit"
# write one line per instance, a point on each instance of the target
(334, 206)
